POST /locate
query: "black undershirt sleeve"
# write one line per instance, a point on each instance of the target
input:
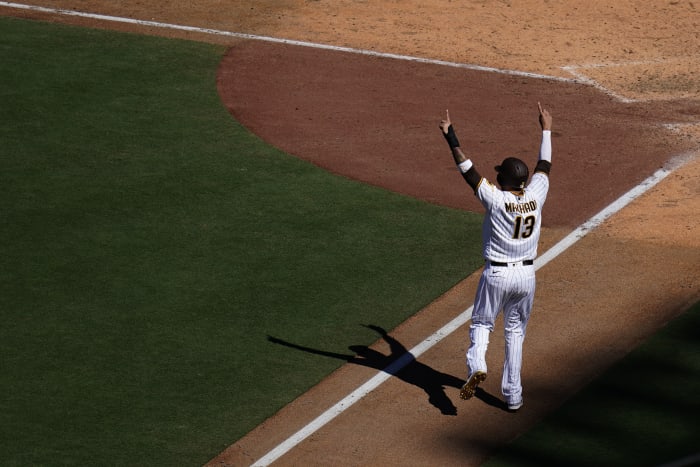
(543, 166)
(472, 177)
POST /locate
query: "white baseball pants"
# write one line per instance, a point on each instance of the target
(512, 290)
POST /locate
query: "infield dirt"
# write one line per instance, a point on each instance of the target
(635, 107)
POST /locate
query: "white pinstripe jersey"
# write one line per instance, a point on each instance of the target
(511, 229)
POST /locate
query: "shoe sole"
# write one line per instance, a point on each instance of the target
(469, 388)
(515, 407)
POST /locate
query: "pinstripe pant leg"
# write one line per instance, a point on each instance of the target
(486, 308)
(516, 314)
(476, 355)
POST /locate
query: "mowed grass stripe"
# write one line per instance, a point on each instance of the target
(150, 244)
(643, 411)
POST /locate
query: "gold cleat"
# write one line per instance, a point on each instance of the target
(472, 383)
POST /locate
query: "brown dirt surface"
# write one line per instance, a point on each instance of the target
(634, 105)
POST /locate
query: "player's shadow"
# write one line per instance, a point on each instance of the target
(400, 363)
(490, 399)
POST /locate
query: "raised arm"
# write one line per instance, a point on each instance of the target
(544, 164)
(545, 118)
(463, 162)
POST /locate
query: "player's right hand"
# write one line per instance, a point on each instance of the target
(445, 124)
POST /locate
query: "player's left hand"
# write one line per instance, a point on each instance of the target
(545, 118)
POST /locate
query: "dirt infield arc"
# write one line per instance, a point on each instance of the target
(375, 120)
(382, 129)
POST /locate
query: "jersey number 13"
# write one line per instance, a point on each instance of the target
(523, 226)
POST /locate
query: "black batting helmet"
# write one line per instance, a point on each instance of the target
(512, 173)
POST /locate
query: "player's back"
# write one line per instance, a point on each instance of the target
(511, 229)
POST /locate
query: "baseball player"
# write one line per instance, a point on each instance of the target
(510, 232)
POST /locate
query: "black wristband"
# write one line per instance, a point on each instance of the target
(451, 137)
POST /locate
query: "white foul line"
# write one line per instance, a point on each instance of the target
(461, 319)
(586, 80)
(614, 207)
(238, 35)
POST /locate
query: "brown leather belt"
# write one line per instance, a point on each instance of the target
(527, 262)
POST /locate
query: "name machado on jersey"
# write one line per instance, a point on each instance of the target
(522, 208)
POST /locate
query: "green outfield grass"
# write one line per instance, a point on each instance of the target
(150, 244)
(642, 412)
